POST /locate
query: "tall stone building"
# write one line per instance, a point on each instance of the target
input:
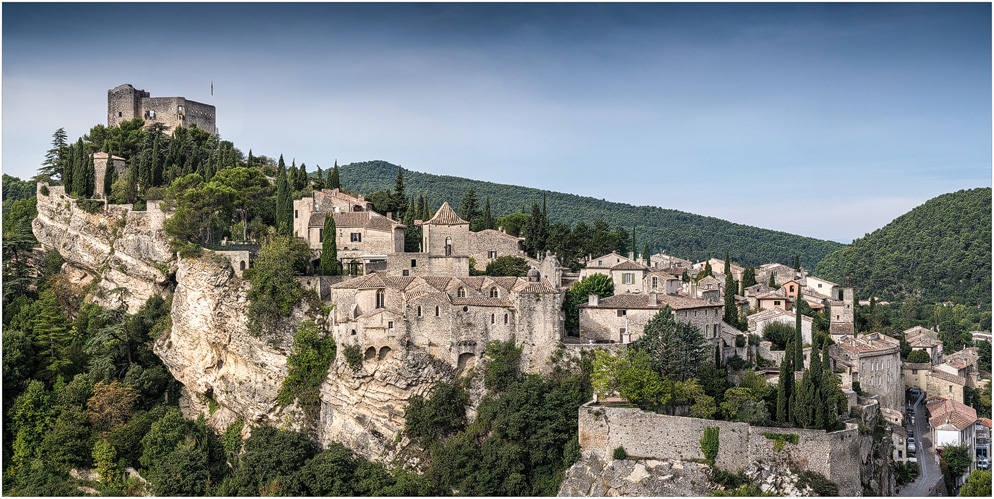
(124, 103)
(874, 360)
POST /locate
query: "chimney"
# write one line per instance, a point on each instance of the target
(390, 215)
(592, 300)
(652, 300)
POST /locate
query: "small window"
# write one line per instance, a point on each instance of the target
(296, 214)
(622, 313)
(465, 309)
(492, 254)
(379, 298)
(181, 109)
(353, 332)
(493, 292)
(461, 293)
(493, 317)
(390, 325)
(436, 312)
(600, 263)
(505, 318)
(241, 264)
(414, 263)
(356, 237)
(119, 114)
(321, 234)
(419, 310)
(406, 273)
(628, 278)
(655, 281)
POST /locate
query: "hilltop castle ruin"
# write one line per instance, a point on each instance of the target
(124, 103)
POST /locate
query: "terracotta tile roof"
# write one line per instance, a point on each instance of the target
(503, 282)
(607, 261)
(984, 422)
(962, 359)
(920, 331)
(474, 282)
(355, 219)
(641, 301)
(445, 216)
(400, 283)
(524, 286)
(916, 365)
(959, 415)
(952, 378)
(417, 295)
(709, 280)
(437, 282)
(482, 302)
(629, 265)
(869, 344)
(771, 313)
(499, 233)
(337, 194)
(921, 341)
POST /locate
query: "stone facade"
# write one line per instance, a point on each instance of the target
(487, 245)
(874, 360)
(124, 103)
(451, 318)
(842, 320)
(622, 318)
(836, 455)
(759, 321)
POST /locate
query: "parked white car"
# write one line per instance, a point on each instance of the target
(911, 445)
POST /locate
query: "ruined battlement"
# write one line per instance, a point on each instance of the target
(125, 102)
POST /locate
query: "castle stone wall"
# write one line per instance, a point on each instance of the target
(123, 104)
(835, 455)
(482, 243)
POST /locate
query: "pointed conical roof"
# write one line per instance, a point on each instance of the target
(446, 216)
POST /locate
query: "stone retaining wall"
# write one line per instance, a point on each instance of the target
(650, 435)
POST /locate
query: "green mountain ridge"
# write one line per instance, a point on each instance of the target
(676, 232)
(939, 251)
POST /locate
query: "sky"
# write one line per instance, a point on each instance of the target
(825, 120)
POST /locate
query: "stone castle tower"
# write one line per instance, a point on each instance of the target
(842, 320)
(124, 103)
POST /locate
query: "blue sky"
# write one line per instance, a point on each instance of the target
(826, 120)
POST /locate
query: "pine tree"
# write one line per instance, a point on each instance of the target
(685, 277)
(488, 217)
(748, 278)
(55, 158)
(333, 180)
(707, 270)
(785, 387)
(329, 249)
(798, 339)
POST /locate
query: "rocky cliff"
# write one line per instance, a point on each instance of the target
(125, 252)
(208, 348)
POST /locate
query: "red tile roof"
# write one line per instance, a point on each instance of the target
(959, 415)
(445, 216)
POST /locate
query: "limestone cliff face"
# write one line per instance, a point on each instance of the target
(122, 249)
(208, 348)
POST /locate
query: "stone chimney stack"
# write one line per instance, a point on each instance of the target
(390, 215)
(593, 300)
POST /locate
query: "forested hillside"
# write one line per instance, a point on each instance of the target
(675, 232)
(939, 251)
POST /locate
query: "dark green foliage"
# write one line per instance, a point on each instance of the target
(748, 277)
(955, 461)
(284, 200)
(820, 485)
(308, 365)
(619, 453)
(275, 289)
(709, 444)
(941, 249)
(270, 461)
(594, 284)
(785, 389)
(513, 266)
(680, 233)
(329, 249)
(728, 479)
(15, 188)
(501, 364)
(443, 413)
(779, 334)
(353, 356)
(677, 349)
(919, 356)
(334, 178)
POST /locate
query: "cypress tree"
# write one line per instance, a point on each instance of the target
(707, 269)
(91, 176)
(319, 179)
(399, 197)
(251, 159)
(488, 217)
(798, 338)
(646, 254)
(728, 263)
(804, 402)
(785, 387)
(818, 379)
(797, 262)
(79, 171)
(110, 176)
(67, 168)
(302, 180)
(773, 282)
(155, 173)
(283, 198)
(329, 249)
(333, 180)
(731, 315)
(635, 251)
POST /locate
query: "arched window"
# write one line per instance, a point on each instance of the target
(448, 246)
(493, 292)
(241, 265)
(461, 293)
(380, 298)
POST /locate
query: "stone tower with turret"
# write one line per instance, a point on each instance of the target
(842, 320)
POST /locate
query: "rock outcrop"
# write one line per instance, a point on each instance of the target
(125, 251)
(595, 475)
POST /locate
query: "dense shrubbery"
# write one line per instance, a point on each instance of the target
(275, 289)
(441, 414)
(308, 366)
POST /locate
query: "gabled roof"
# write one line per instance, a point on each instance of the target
(641, 301)
(355, 219)
(962, 359)
(606, 261)
(501, 234)
(629, 265)
(772, 313)
(869, 344)
(446, 216)
(959, 415)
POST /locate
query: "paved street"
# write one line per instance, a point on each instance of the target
(929, 481)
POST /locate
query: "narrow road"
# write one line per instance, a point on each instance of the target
(929, 482)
